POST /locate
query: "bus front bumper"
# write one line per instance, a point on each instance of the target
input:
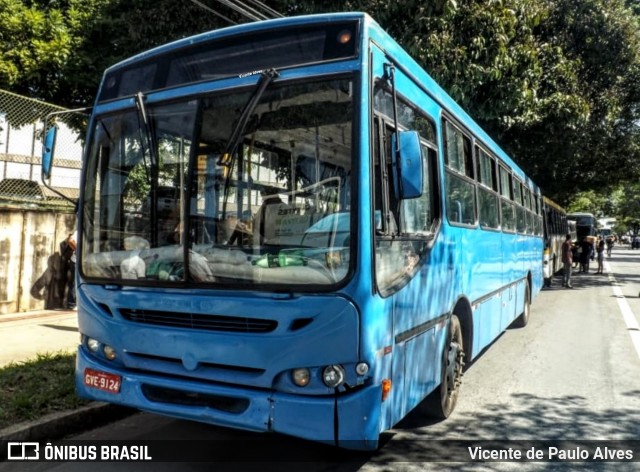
(350, 420)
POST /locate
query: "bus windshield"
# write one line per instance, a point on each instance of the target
(167, 200)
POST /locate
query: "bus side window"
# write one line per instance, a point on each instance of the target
(488, 200)
(413, 220)
(461, 189)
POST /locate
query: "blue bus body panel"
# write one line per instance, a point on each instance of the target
(358, 418)
(249, 368)
(307, 417)
(331, 334)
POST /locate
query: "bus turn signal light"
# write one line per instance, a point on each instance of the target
(386, 388)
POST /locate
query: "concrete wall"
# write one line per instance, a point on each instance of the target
(32, 273)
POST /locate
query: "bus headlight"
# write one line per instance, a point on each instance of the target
(109, 352)
(362, 368)
(301, 377)
(333, 376)
(93, 345)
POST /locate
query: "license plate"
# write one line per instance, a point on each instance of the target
(102, 380)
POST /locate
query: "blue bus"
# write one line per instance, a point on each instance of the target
(287, 226)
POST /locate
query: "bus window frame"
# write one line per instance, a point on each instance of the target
(383, 185)
(506, 196)
(492, 188)
(468, 177)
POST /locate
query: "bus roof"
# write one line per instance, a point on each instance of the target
(579, 213)
(547, 201)
(237, 30)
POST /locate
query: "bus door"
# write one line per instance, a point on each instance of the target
(407, 274)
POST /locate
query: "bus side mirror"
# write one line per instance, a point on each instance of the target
(47, 151)
(407, 164)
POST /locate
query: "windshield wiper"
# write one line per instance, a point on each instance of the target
(153, 157)
(266, 77)
(142, 113)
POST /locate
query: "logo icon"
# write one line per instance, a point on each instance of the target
(23, 451)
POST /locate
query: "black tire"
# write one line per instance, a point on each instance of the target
(523, 320)
(442, 401)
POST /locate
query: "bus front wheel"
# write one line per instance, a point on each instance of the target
(442, 401)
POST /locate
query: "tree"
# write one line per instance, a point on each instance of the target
(555, 82)
(117, 29)
(601, 36)
(34, 46)
(57, 50)
(627, 211)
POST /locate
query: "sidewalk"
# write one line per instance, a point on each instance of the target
(25, 335)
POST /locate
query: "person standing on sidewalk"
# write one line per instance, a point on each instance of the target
(586, 255)
(567, 261)
(600, 255)
(70, 255)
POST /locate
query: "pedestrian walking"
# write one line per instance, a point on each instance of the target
(567, 261)
(610, 243)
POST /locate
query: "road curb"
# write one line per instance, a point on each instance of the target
(56, 426)
(30, 315)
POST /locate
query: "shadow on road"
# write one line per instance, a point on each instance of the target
(61, 328)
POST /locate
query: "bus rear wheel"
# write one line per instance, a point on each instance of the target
(522, 320)
(442, 401)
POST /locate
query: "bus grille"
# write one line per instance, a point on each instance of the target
(236, 324)
(179, 397)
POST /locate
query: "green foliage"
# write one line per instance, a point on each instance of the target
(37, 387)
(627, 209)
(57, 50)
(34, 44)
(602, 36)
(622, 203)
(591, 201)
(555, 82)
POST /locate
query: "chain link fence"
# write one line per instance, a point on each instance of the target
(22, 130)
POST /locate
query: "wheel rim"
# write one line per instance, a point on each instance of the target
(454, 367)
